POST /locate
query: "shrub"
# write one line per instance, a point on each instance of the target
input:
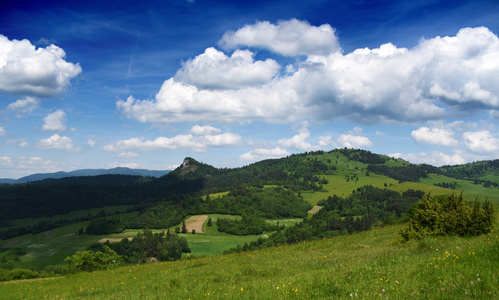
(448, 215)
(93, 260)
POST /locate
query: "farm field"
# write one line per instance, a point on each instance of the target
(52, 247)
(370, 264)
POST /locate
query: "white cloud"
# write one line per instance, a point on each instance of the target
(207, 129)
(91, 142)
(298, 141)
(214, 70)
(32, 165)
(5, 161)
(19, 142)
(172, 167)
(289, 38)
(128, 155)
(380, 133)
(41, 72)
(57, 142)
(436, 136)
(124, 165)
(55, 121)
(181, 141)
(264, 153)
(24, 106)
(354, 141)
(3, 132)
(481, 142)
(434, 158)
(325, 141)
(440, 78)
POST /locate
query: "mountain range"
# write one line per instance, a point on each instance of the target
(87, 172)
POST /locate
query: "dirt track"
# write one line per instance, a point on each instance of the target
(196, 222)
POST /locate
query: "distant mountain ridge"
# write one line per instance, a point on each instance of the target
(87, 172)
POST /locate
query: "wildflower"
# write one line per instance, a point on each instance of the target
(471, 282)
(442, 289)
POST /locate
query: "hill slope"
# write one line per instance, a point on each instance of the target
(366, 265)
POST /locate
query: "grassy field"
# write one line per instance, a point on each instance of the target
(49, 248)
(339, 185)
(52, 247)
(369, 265)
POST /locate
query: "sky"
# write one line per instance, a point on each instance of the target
(144, 84)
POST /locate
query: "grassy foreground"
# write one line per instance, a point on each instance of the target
(373, 264)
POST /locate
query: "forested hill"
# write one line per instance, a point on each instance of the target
(305, 172)
(87, 172)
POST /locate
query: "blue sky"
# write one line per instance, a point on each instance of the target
(143, 84)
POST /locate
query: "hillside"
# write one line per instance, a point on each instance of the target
(366, 265)
(356, 190)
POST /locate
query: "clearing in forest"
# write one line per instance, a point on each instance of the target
(196, 223)
(315, 209)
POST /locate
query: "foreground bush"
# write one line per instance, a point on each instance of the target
(93, 260)
(449, 215)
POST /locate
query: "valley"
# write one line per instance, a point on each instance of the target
(297, 197)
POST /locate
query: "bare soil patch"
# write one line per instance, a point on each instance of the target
(196, 223)
(315, 209)
(112, 240)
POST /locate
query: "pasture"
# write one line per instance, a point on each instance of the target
(367, 265)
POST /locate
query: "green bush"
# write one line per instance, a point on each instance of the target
(448, 215)
(89, 260)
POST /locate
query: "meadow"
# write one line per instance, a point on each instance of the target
(371, 264)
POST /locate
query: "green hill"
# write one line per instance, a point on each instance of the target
(39, 220)
(370, 264)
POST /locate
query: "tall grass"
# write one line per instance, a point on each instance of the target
(372, 264)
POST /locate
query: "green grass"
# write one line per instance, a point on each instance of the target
(471, 190)
(372, 264)
(50, 248)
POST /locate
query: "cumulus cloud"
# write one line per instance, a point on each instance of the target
(481, 141)
(354, 141)
(41, 72)
(436, 136)
(23, 106)
(55, 121)
(264, 153)
(434, 158)
(440, 78)
(207, 129)
(298, 141)
(181, 141)
(214, 70)
(290, 38)
(181, 102)
(57, 142)
(128, 155)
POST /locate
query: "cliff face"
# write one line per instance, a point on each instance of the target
(187, 167)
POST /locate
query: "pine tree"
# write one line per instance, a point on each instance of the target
(184, 227)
